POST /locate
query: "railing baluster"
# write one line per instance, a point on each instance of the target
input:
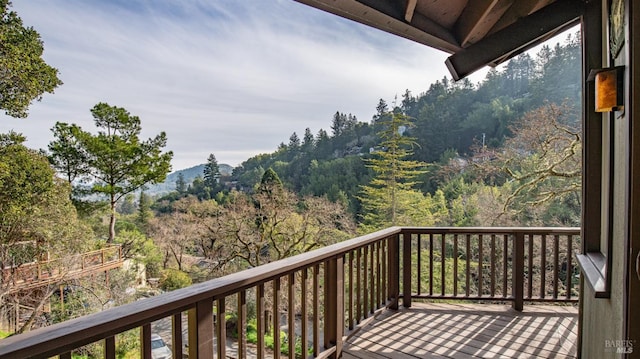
(505, 253)
(443, 256)
(556, 264)
(378, 276)
(468, 264)
(393, 273)
(304, 332)
(385, 263)
(517, 271)
(276, 318)
(316, 310)
(480, 265)
(261, 320)
(145, 344)
(419, 265)
(372, 278)
(242, 324)
(176, 334)
(291, 314)
(430, 264)
(569, 277)
(358, 285)
(493, 266)
(110, 347)
(221, 327)
(406, 270)
(350, 309)
(543, 265)
(455, 265)
(365, 282)
(530, 256)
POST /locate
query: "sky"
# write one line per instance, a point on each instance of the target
(228, 77)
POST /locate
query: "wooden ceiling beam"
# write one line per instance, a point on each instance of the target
(521, 35)
(478, 17)
(429, 26)
(518, 10)
(410, 9)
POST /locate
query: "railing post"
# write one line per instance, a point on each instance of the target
(334, 305)
(393, 272)
(406, 270)
(517, 272)
(200, 322)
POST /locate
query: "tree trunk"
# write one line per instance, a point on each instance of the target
(36, 311)
(112, 222)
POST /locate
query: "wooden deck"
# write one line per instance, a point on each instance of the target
(438, 330)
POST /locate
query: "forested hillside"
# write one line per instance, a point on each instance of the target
(448, 121)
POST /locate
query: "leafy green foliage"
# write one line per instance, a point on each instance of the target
(252, 337)
(37, 215)
(115, 160)
(24, 76)
(174, 279)
(67, 155)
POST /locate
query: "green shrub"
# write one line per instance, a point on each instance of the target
(252, 337)
(174, 279)
(128, 344)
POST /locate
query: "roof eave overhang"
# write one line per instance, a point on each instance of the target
(516, 38)
(500, 46)
(420, 30)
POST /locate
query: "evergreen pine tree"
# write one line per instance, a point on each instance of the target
(270, 182)
(211, 174)
(144, 211)
(181, 185)
(394, 173)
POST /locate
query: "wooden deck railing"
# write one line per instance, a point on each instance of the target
(32, 275)
(503, 264)
(323, 295)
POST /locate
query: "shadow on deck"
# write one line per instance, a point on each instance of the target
(438, 330)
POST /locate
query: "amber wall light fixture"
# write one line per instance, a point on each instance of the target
(609, 90)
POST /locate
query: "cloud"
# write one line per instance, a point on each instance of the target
(233, 78)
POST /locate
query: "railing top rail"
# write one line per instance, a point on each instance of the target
(87, 329)
(115, 248)
(107, 248)
(492, 230)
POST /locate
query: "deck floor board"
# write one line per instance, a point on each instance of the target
(440, 330)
